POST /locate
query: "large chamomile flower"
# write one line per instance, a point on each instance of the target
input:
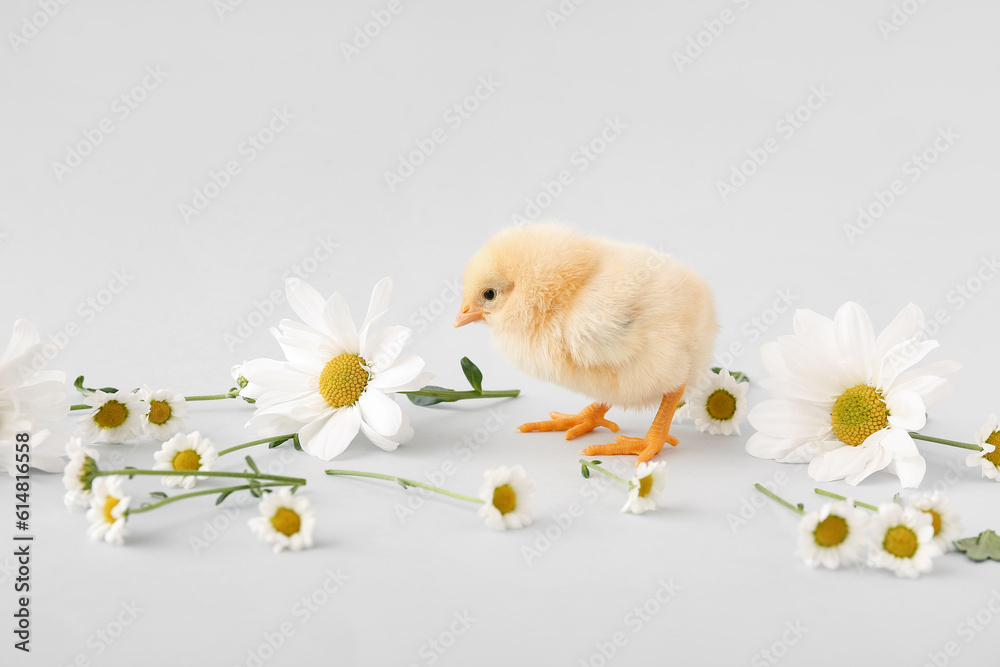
(989, 458)
(336, 379)
(845, 400)
(833, 537)
(115, 418)
(285, 520)
(185, 451)
(506, 494)
(78, 475)
(32, 401)
(903, 540)
(107, 513)
(166, 414)
(945, 521)
(719, 403)
(646, 488)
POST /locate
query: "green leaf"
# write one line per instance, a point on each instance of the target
(253, 466)
(585, 470)
(277, 443)
(222, 496)
(424, 401)
(473, 374)
(158, 494)
(986, 546)
(295, 442)
(80, 388)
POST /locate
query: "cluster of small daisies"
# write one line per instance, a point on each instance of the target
(120, 416)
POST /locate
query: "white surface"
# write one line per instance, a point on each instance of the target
(323, 178)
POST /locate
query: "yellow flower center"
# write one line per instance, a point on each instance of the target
(935, 521)
(187, 460)
(343, 380)
(645, 486)
(159, 412)
(286, 521)
(994, 456)
(859, 412)
(831, 531)
(111, 415)
(504, 498)
(721, 405)
(109, 505)
(900, 541)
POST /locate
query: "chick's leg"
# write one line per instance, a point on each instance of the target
(658, 434)
(585, 421)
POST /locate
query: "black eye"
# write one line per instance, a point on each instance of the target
(489, 295)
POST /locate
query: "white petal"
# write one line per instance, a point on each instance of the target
(909, 324)
(340, 324)
(902, 357)
(23, 336)
(380, 412)
(906, 410)
(787, 419)
(306, 301)
(384, 346)
(379, 304)
(841, 462)
(400, 374)
(899, 443)
(278, 376)
(855, 337)
(909, 470)
(328, 437)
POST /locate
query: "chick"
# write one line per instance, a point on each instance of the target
(619, 323)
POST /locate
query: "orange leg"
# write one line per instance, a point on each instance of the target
(586, 421)
(658, 434)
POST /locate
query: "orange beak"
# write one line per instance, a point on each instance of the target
(468, 315)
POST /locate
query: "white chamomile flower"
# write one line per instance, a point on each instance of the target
(166, 413)
(903, 540)
(287, 521)
(719, 403)
(108, 510)
(646, 488)
(185, 451)
(845, 400)
(78, 475)
(989, 458)
(335, 379)
(945, 521)
(836, 536)
(115, 418)
(506, 494)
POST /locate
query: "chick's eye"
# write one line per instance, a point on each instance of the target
(489, 295)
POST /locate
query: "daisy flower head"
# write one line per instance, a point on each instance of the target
(78, 475)
(719, 403)
(285, 520)
(506, 494)
(115, 418)
(646, 488)
(945, 521)
(185, 451)
(844, 400)
(989, 458)
(335, 380)
(166, 413)
(903, 540)
(108, 510)
(834, 537)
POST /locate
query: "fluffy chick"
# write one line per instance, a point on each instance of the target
(620, 323)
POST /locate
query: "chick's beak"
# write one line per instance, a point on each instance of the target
(468, 315)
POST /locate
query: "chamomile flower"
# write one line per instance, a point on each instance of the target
(834, 537)
(903, 540)
(336, 380)
(989, 458)
(287, 521)
(185, 451)
(166, 413)
(719, 403)
(646, 488)
(108, 507)
(945, 521)
(506, 494)
(78, 475)
(844, 400)
(115, 418)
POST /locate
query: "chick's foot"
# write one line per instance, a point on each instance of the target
(658, 435)
(585, 421)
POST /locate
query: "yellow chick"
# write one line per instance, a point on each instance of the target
(620, 323)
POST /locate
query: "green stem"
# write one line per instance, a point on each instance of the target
(206, 492)
(81, 406)
(450, 395)
(277, 438)
(950, 443)
(857, 503)
(795, 508)
(130, 472)
(598, 468)
(207, 397)
(406, 482)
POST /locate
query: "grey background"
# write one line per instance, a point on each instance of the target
(322, 180)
